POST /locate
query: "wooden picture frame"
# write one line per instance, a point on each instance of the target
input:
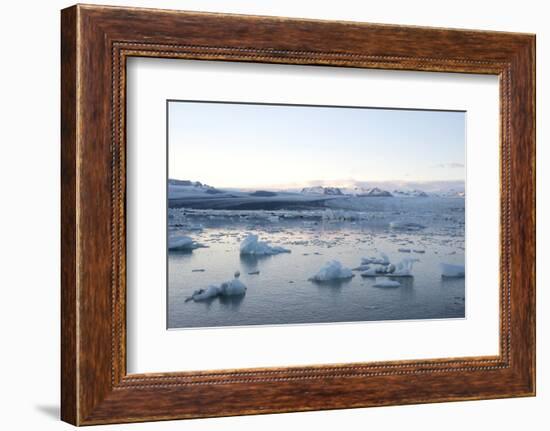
(95, 43)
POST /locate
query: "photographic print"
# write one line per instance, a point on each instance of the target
(300, 214)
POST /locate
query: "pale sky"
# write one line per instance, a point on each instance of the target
(270, 146)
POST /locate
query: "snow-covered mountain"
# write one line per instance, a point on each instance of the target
(320, 190)
(370, 192)
(190, 187)
(410, 193)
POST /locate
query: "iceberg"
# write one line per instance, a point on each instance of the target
(332, 270)
(386, 282)
(182, 243)
(251, 245)
(401, 269)
(449, 270)
(382, 260)
(204, 294)
(234, 287)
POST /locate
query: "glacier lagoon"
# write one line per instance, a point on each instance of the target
(280, 287)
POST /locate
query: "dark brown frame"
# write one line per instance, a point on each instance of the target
(95, 42)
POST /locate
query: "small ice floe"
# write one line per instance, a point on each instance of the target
(404, 250)
(366, 262)
(331, 271)
(204, 294)
(402, 225)
(383, 259)
(386, 282)
(361, 267)
(183, 243)
(401, 269)
(449, 270)
(234, 287)
(251, 245)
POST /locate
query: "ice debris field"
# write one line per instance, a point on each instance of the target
(377, 258)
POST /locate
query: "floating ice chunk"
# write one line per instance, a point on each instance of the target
(374, 271)
(382, 260)
(204, 294)
(401, 269)
(402, 225)
(234, 287)
(404, 268)
(332, 270)
(251, 245)
(361, 267)
(386, 282)
(449, 270)
(182, 243)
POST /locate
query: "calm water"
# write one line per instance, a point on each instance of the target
(281, 292)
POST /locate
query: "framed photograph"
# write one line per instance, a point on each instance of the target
(264, 215)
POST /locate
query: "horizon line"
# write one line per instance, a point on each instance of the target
(327, 183)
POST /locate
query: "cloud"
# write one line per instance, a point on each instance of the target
(453, 165)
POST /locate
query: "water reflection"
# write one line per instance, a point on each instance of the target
(207, 303)
(333, 285)
(231, 302)
(451, 282)
(180, 254)
(250, 262)
(406, 290)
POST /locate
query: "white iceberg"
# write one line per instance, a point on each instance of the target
(332, 270)
(449, 270)
(182, 243)
(204, 294)
(401, 269)
(383, 259)
(253, 246)
(386, 282)
(234, 287)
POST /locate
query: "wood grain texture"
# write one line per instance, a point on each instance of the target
(69, 366)
(96, 41)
